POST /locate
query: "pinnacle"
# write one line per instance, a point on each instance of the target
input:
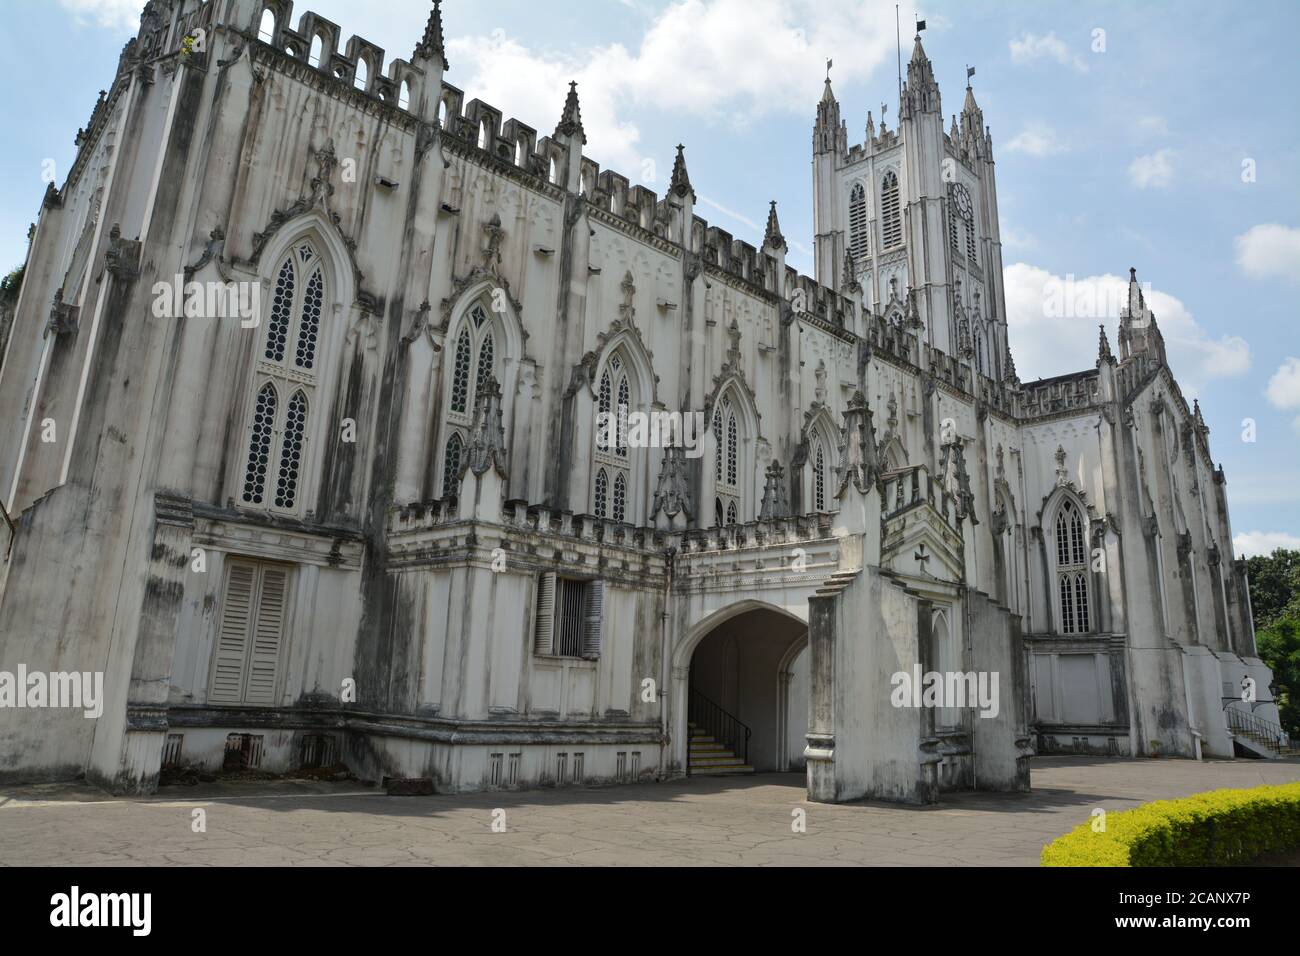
(432, 43)
(772, 236)
(571, 119)
(681, 181)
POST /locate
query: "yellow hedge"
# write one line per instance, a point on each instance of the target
(1222, 827)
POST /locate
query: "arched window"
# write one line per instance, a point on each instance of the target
(720, 452)
(726, 462)
(519, 153)
(362, 78)
(611, 452)
(1072, 569)
(620, 498)
(945, 651)
(980, 349)
(971, 249)
(442, 113)
(460, 372)
(404, 96)
(482, 135)
(858, 221)
(259, 444)
(819, 476)
(451, 465)
(554, 173)
(601, 499)
(731, 448)
(295, 426)
(891, 223)
(317, 48)
(474, 360)
(287, 363)
(266, 30)
(624, 407)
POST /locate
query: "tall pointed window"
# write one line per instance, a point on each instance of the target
(612, 456)
(726, 465)
(278, 432)
(858, 221)
(1072, 569)
(474, 359)
(819, 476)
(891, 223)
(451, 465)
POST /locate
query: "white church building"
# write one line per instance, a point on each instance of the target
(303, 436)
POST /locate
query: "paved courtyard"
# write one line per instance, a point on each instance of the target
(699, 822)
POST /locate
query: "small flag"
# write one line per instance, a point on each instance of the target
(920, 25)
(970, 71)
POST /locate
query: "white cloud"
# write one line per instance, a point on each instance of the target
(1284, 386)
(1048, 339)
(724, 60)
(1152, 125)
(1013, 238)
(111, 14)
(1037, 140)
(1250, 543)
(1031, 47)
(745, 220)
(1269, 251)
(1153, 170)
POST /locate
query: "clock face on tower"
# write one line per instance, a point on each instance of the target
(963, 201)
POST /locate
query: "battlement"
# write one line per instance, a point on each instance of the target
(1060, 394)
(359, 64)
(539, 519)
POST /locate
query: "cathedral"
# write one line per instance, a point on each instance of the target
(348, 421)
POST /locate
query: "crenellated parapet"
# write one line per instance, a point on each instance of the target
(1062, 393)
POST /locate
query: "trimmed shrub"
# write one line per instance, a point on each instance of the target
(1219, 828)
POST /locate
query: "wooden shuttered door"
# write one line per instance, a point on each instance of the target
(545, 637)
(595, 613)
(250, 634)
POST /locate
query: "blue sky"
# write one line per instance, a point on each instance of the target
(1131, 155)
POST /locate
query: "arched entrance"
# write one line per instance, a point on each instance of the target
(742, 679)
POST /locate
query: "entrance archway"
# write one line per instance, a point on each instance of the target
(742, 668)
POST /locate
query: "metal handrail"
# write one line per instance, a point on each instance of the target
(720, 724)
(1273, 734)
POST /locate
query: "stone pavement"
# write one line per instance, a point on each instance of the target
(697, 822)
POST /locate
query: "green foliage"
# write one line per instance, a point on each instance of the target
(11, 283)
(1219, 828)
(1279, 648)
(1274, 585)
(1275, 602)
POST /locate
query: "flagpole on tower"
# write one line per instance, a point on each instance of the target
(898, 39)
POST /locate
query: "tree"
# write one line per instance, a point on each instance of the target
(1279, 648)
(1275, 603)
(1274, 584)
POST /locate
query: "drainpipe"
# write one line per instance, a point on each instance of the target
(665, 689)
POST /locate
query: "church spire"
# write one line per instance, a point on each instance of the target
(571, 119)
(432, 44)
(1104, 353)
(827, 130)
(920, 92)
